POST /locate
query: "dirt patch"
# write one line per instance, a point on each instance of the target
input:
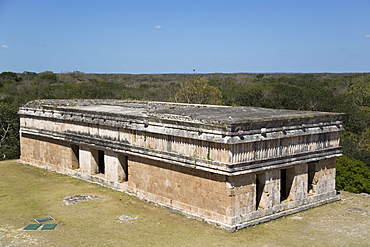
(13, 237)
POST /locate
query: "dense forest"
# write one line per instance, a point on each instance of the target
(345, 93)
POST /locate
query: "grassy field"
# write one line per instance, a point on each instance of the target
(27, 193)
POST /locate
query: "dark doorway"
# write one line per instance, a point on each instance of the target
(311, 178)
(123, 172)
(260, 186)
(286, 182)
(101, 163)
(75, 157)
(283, 194)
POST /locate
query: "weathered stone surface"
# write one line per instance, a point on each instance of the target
(231, 166)
(72, 200)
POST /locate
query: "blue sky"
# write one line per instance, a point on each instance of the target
(177, 36)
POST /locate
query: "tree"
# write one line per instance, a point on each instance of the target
(251, 97)
(9, 132)
(199, 92)
(48, 76)
(259, 77)
(361, 91)
(9, 75)
(352, 175)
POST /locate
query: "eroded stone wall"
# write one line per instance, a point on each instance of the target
(190, 190)
(180, 145)
(46, 152)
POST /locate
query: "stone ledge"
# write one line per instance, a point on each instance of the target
(205, 132)
(232, 228)
(221, 120)
(222, 168)
(280, 214)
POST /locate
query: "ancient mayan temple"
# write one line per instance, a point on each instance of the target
(229, 166)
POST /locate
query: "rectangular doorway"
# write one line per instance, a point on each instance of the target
(260, 186)
(311, 178)
(101, 162)
(286, 182)
(123, 168)
(75, 157)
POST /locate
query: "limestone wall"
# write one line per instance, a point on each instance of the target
(251, 202)
(189, 190)
(45, 152)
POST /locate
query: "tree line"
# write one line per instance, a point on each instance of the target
(347, 93)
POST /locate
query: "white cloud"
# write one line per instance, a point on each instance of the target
(367, 36)
(157, 27)
(5, 47)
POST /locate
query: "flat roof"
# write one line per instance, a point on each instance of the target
(179, 112)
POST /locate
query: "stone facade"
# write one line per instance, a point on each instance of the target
(229, 166)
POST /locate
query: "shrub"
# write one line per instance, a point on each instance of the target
(352, 175)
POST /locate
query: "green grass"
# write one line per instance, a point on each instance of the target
(27, 193)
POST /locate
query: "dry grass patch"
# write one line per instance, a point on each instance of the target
(116, 219)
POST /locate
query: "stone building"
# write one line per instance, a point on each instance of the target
(229, 166)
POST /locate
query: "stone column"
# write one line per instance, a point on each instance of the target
(299, 185)
(326, 176)
(111, 166)
(270, 196)
(88, 164)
